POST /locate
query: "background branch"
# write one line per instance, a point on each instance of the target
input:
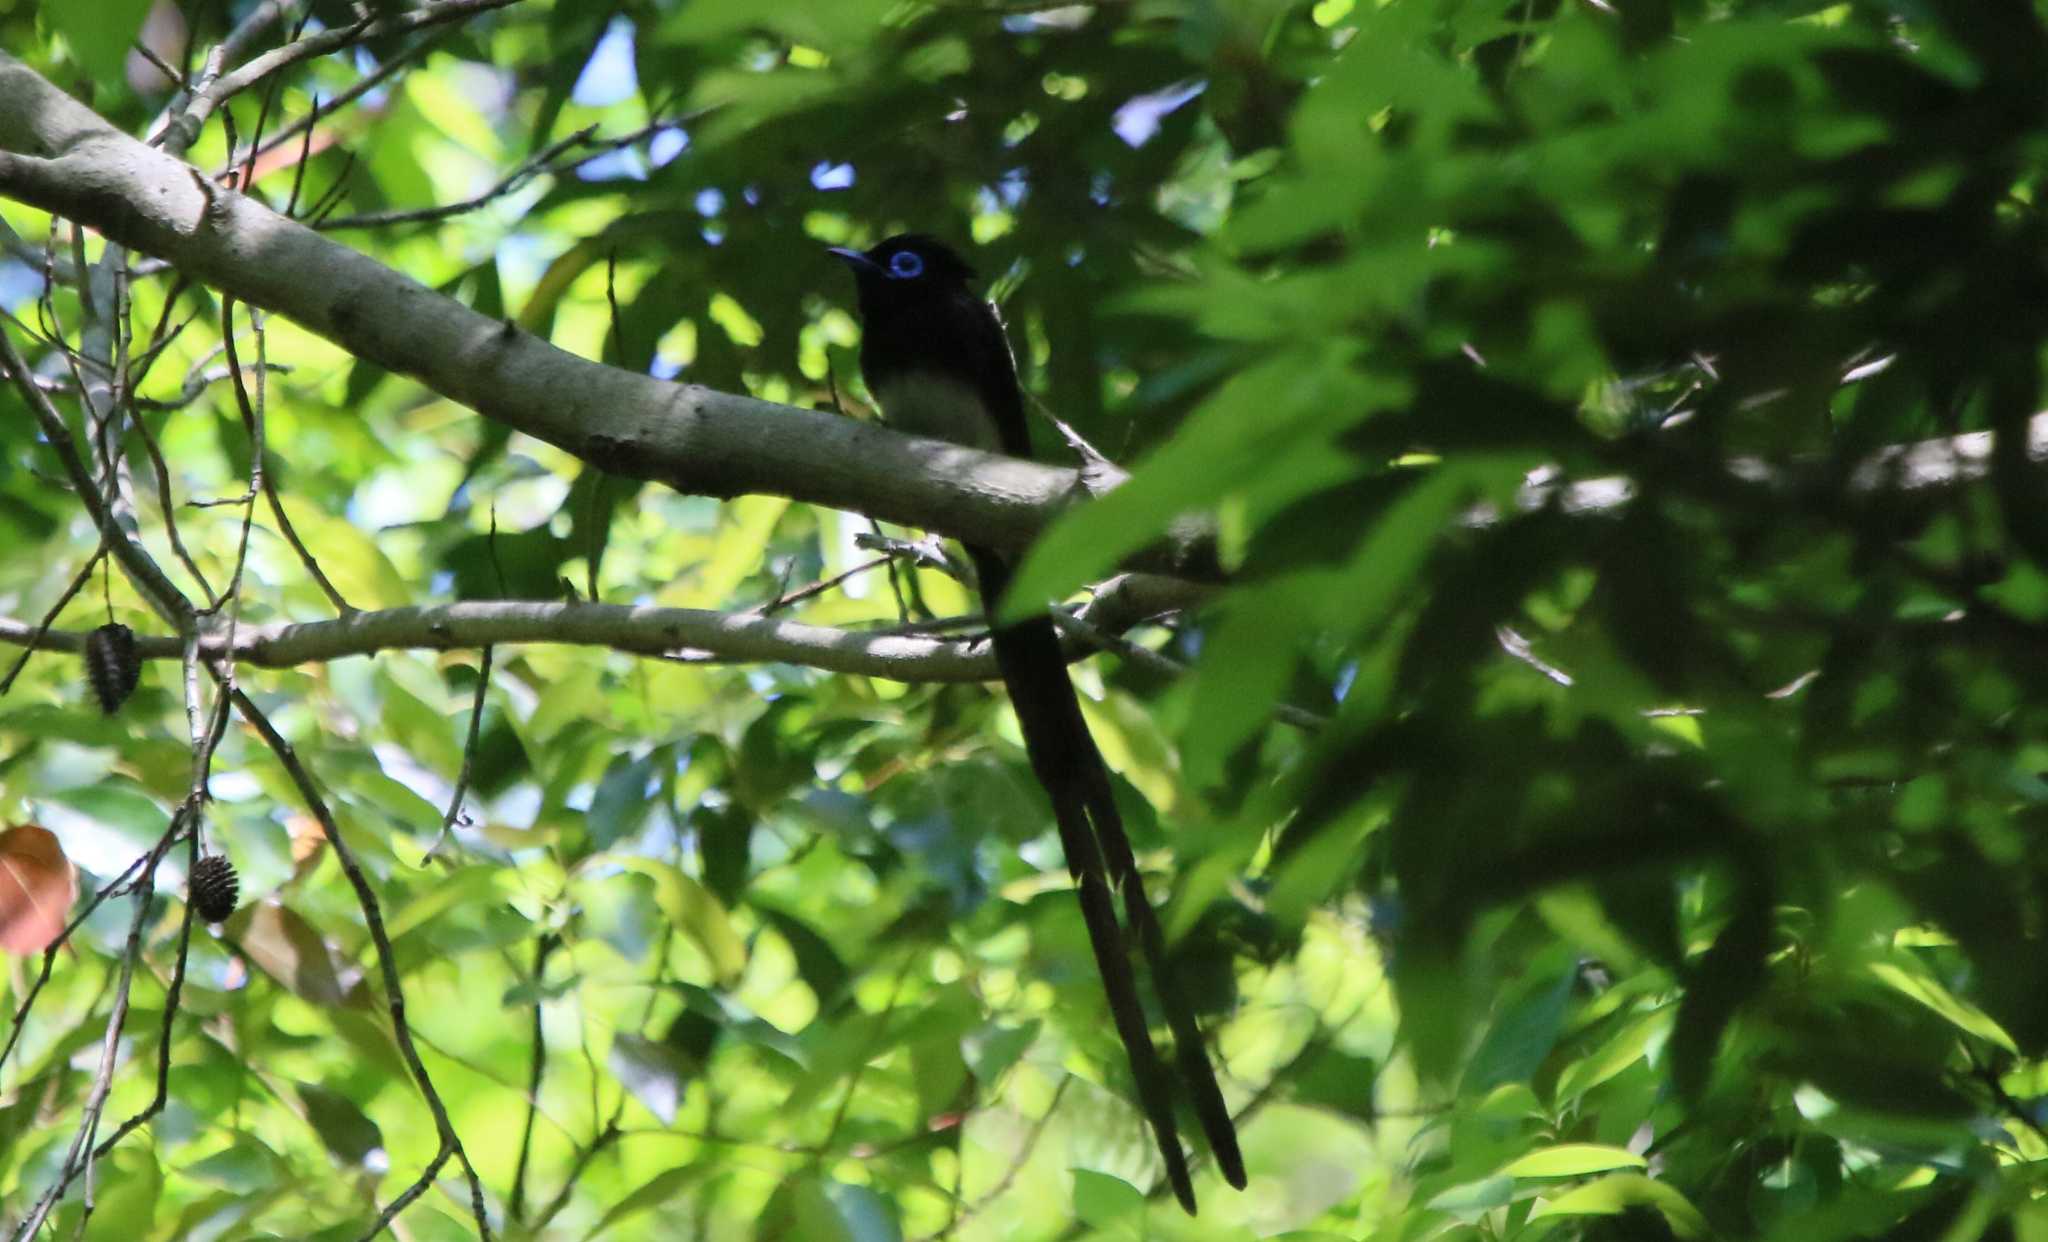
(683, 633)
(58, 155)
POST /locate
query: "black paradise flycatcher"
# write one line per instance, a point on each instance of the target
(935, 357)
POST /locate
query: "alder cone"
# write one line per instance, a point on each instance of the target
(213, 888)
(112, 665)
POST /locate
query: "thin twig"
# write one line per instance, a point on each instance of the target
(607, 1136)
(162, 335)
(291, 202)
(362, 86)
(542, 163)
(780, 602)
(206, 738)
(959, 1215)
(326, 41)
(692, 635)
(462, 778)
(169, 508)
(1094, 636)
(180, 132)
(394, 993)
(874, 1041)
(29, 648)
(527, 169)
(92, 905)
(78, 1158)
(543, 948)
(330, 198)
(148, 577)
(171, 997)
(252, 419)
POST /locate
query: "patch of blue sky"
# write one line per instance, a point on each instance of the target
(608, 77)
(1139, 117)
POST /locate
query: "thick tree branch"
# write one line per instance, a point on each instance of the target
(677, 632)
(57, 155)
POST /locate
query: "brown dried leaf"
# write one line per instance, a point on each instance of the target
(308, 840)
(37, 887)
(283, 945)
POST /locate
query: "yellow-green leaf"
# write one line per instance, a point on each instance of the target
(1573, 1159)
(696, 913)
(1944, 1002)
(1611, 1196)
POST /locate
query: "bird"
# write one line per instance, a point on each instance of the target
(936, 359)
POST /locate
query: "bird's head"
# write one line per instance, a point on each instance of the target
(905, 270)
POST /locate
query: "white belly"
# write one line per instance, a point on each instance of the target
(924, 404)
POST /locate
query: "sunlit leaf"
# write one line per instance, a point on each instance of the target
(1108, 1203)
(1944, 1002)
(1610, 1196)
(1572, 1159)
(695, 912)
(100, 35)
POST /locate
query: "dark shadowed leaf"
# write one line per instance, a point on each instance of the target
(350, 1137)
(656, 1073)
(293, 953)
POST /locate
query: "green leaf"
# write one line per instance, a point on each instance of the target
(694, 912)
(994, 1048)
(462, 887)
(246, 1167)
(1475, 1198)
(1573, 1159)
(662, 1188)
(349, 1136)
(622, 801)
(1521, 1037)
(656, 1073)
(1274, 408)
(129, 811)
(1919, 987)
(1109, 1203)
(1338, 1080)
(807, 1208)
(1611, 1196)
(1625, 1048)
(818, 964)
(99, 33)
(128, 1184)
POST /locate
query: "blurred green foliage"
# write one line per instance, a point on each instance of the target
(1663, 869)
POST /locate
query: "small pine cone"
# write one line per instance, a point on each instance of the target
(112, 665)
(213, 887)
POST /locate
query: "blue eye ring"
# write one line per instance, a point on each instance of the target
(906, 265)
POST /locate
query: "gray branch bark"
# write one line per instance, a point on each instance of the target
(679, 633)
(56, 154)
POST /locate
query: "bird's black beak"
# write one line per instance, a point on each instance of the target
(854, 259)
